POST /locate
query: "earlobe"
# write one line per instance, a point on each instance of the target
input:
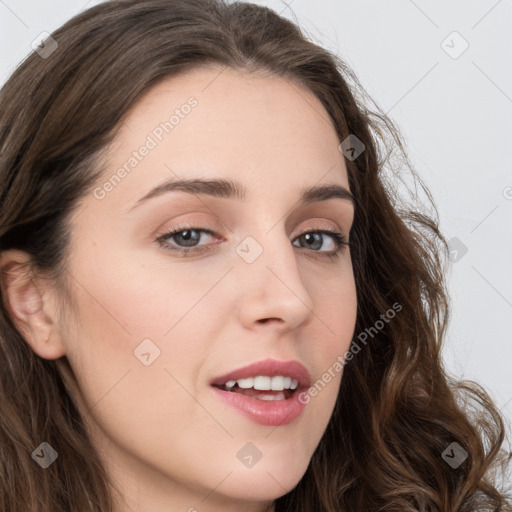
(28, 303)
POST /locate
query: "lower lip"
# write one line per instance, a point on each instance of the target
(271, 413)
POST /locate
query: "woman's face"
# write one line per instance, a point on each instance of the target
(155, 327)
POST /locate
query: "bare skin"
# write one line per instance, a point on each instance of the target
(168, 442)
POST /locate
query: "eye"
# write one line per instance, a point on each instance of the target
(186, 240)
(315, 240)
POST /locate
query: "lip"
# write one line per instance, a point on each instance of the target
(270, 367)
(263, 412)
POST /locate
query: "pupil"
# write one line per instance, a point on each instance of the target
(314, 237)
(186, 235)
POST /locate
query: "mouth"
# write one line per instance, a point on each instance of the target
(263, 387)
(266, 392)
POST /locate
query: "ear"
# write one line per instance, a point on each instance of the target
(30, 303)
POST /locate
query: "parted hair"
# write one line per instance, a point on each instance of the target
(398, 409)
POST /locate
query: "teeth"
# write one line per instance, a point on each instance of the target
(277, 383)
(278, 396)
(245, 383)
(264, 383)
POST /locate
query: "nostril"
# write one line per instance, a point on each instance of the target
(266, 320)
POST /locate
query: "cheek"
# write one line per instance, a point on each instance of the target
(336, 311)
(141, 333)
(144, 409)
(127, 325)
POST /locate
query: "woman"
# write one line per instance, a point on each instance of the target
(209, 299)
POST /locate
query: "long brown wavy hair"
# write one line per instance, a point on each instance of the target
(398, 409)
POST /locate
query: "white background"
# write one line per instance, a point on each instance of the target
(454, 113)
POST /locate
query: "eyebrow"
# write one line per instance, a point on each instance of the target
(229, 189)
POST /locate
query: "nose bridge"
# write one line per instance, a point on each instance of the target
(270, 279)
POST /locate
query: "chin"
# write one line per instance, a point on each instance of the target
(263, 483)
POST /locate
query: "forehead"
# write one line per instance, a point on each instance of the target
(212, 121)
(228, 99)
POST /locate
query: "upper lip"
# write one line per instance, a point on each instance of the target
(270, 367)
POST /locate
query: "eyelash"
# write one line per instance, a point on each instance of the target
(340, 240)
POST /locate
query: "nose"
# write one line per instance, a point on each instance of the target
(270, 290)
